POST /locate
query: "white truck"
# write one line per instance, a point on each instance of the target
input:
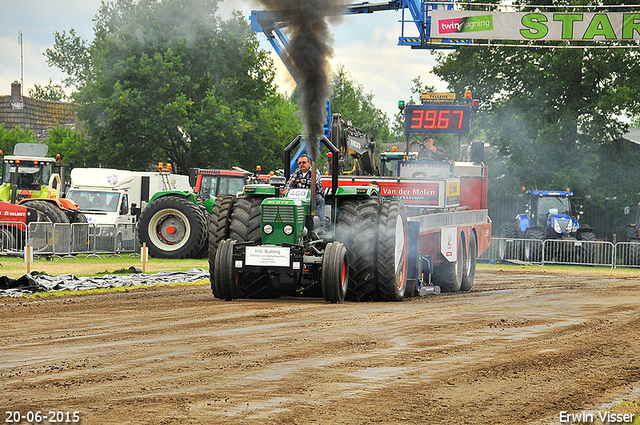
(106, 196)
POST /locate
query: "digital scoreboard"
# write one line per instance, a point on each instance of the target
(437, 118)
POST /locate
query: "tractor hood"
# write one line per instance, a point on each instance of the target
(562, 224)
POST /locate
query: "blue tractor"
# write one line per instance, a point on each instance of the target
(549, 214)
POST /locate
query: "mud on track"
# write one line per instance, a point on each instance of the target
(522, 346)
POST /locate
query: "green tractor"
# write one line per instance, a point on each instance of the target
(174, 223)
(264, 245)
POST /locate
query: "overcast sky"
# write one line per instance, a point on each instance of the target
(365, 44)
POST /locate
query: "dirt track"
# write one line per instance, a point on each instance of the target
(521, 347)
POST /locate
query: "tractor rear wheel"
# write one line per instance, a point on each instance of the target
(631, 253)
(219, 222)
(469, 272)
(172, 227)
(47, 212)
(449, 274)
(391, 255)
(586, 252)
(245, 226)
(335, 272)
(224, 279)
(506, 246)
(7, 240)
(534, 239)
(357, 228)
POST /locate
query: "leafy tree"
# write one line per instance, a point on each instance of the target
(69, 143)
(9, 138)
(51, 92)
(166, 80)
(547, 110)
(348, 98)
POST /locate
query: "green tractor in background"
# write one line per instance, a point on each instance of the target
(174, 223)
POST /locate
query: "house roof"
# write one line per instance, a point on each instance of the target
(633, 135)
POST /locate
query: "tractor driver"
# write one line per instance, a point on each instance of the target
(301, 179)
(429, 151)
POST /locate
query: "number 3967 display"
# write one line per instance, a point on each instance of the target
(437, 119)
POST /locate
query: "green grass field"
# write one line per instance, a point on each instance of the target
(91, 266)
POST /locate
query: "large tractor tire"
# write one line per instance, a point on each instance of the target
(47, 212)
(507, 246)
(469, 271)
(586, 253)
(335, 272)
(391, 252)
(204, 250)
(632, 250)
(245, 225)
(448, 275)
(219, 223)
(357, 228)
(172, 227)
(534, 239)
(8, 240)
(224, 280)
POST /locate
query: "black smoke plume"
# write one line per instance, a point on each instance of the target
(306, 24)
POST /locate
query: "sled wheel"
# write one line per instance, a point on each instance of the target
(449, 274)
(469, 272)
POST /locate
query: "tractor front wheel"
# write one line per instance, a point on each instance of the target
(244, 226)
(219, 222)
(335, 272)
(224, 280)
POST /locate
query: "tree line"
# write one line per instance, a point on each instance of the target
(168, 80)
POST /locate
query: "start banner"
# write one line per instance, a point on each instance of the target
(535, 26)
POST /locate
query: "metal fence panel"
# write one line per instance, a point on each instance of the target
(583, 253)
(104, 239)
(12, 236)
(81, 242)
(552, 251)
(526, 250)
(62, 239)
(627, 254)
(126, 238)
(40, 236)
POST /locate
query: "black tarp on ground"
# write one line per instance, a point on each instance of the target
(28, 284)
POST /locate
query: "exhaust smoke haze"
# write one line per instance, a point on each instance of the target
(306, 24)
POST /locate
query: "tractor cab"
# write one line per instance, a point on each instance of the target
(28, 173)
(550, 210)
(389, 161)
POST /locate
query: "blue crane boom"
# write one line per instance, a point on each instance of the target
(268, 23)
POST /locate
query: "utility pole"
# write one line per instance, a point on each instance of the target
(21, 62)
